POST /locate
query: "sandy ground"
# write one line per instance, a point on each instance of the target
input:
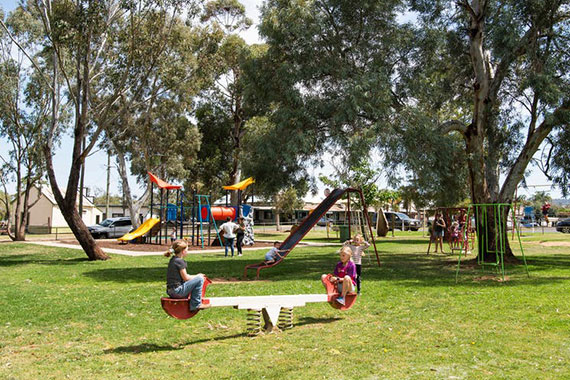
(110, 243)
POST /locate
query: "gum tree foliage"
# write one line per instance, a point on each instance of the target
(223, 113)
(79, 45)
(24, 109)
(325, 81)
(496, 74)
(330, 76)
(152, 131)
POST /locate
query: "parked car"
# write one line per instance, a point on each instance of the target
(528, 223)
(324, 221)
(401, 221)
(111, 228)
(563, 226)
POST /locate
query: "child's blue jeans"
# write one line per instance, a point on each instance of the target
(192, 287)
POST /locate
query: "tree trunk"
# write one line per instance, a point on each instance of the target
(67, 204)
(134, 207)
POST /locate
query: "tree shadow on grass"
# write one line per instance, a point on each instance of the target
(416, 269)
(402, 241)
(23, 260)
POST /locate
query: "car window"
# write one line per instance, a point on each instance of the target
(122, 223)
(106, 223)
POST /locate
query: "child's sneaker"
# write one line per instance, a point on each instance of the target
(340, 300)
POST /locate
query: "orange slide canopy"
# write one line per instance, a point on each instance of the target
(161, 184)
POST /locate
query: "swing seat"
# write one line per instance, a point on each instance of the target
(333, 294)
(179, 308)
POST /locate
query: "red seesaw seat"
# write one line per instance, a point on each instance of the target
(333, 294)
(179, 308)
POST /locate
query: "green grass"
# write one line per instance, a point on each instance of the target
(63, 316)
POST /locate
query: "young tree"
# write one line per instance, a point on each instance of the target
(286, 202)
(152, 130)
(224, 98)
(24, 109)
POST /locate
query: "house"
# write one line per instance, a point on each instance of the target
(45, 214)
(117, 210)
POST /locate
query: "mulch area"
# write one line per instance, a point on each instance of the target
(109, 243)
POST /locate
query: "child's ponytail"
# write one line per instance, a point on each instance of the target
(176, 247)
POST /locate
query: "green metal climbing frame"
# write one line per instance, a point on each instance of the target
(488, 217)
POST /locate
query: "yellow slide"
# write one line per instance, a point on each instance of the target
(143, 229)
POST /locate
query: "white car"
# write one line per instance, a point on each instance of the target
(111, 228)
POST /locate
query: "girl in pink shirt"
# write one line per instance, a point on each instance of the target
(344, 274)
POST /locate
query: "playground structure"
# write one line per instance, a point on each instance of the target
(192, 221)
(466, 234)
(275, 310)
(490, 227)
(310, 220)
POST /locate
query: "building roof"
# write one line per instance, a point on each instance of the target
(48, 193)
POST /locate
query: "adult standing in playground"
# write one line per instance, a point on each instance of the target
(179, 284)
(240, 234)
(229, 229)
(438, 229)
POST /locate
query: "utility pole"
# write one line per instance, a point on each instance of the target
(108, 184)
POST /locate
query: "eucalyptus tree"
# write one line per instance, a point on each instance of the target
(470, 91)
(79, 46)
(152, 130)
(496, 74)
(224, 99)
(24, 109)
(327, 78)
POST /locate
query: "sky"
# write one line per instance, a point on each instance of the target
(96, 164)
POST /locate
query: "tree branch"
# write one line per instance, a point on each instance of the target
(453, 125)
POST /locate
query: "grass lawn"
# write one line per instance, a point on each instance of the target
(63, 316)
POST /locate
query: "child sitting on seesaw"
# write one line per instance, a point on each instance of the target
(344, 274)
(179, 284)
(274, 254)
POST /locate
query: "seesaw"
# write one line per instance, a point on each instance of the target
(277, 311)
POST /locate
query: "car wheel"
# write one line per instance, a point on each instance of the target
(566, 230)
(105, 236)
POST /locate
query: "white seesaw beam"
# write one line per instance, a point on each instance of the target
(271, 304)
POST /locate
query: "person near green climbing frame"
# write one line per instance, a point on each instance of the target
(438, 231)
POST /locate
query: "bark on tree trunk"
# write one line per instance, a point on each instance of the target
(134, 207)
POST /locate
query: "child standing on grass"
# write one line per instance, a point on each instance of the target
(274, 254)
(178, 283)
(344, 274)
(357, 245)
